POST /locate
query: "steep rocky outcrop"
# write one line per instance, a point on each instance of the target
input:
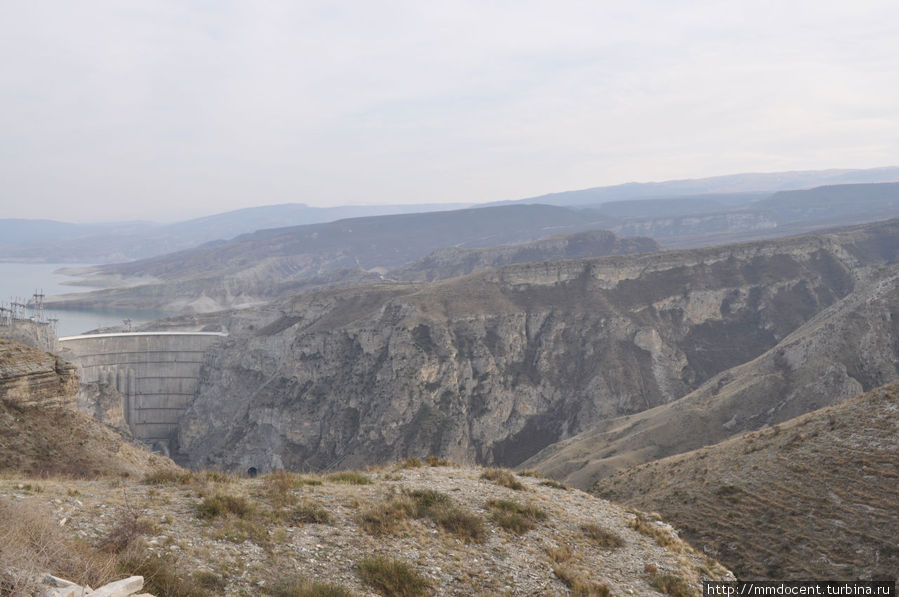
(41, 430)
(851, 347)
(31, 378)
(493, 367)
(814, 497)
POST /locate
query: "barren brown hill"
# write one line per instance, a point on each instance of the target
(42, 433)
(815, 497)
(412, 529)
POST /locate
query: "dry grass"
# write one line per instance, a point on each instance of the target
(392, 515)
(814, 499)
(600, 537)
(349, 478)
(221, 504)
(503, 477)
(31, 542)
(309, 512)
(300, 587)
(579, 583)
(393, 578)
(671, 584)
(647, 527)
(513, 516)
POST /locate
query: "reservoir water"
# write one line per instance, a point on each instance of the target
(22, 280)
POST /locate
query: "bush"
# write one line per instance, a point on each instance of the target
(671, 584)
(579, 584)
(514, 517)
(220, 504)
(310, 513)
(502, 477)
(392, 577)
(349, 478)
(646, 527)
(390, 516)
(602, 537)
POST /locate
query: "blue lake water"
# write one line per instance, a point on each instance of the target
(22, 280)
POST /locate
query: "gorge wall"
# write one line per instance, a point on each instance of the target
(493, 367)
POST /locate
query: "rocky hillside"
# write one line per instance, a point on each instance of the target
(815, 497)
(409, 529)
(42, 432)
(455, 261)
(493, 367)
(846, 349)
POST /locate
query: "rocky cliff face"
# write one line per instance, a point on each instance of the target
(43, 433)
(848, 348)
(31, 378)
(493, 367)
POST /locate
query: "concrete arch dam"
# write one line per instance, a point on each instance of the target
(157, 374)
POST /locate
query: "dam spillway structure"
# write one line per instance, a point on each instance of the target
(156, 373)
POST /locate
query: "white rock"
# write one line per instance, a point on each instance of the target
(120, 588)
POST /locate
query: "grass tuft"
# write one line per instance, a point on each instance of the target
(513, 516)
(391, 516)
(222, 504)
(503, 477)
(601, 537)
(392, 578)
(646, 527)
(310, 513)
(349, 478)
(578, 582)
(671, 584)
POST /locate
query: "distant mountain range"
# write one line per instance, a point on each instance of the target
(738, 188)
(617, 206)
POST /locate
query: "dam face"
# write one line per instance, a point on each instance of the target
(157, 374)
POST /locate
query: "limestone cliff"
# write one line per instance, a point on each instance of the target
(848, 348)
(32, 378)
(43, 433)
(493, 367)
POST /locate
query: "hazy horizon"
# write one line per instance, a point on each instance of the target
(167, 110)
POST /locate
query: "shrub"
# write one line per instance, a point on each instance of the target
(310, 513)
(170, 477)
(349, 478)
(502, 477)
(437, 461)
(220, 504)
(278, 485)
(163, 575)
(514, 517)
(131, 525)
(392, 577)
(646, 527)
(390, 516)
(602, 537)
(409, 463)
(671, 584)
(530, 473)
(579, 584)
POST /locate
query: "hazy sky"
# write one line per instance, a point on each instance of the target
(167, 109)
